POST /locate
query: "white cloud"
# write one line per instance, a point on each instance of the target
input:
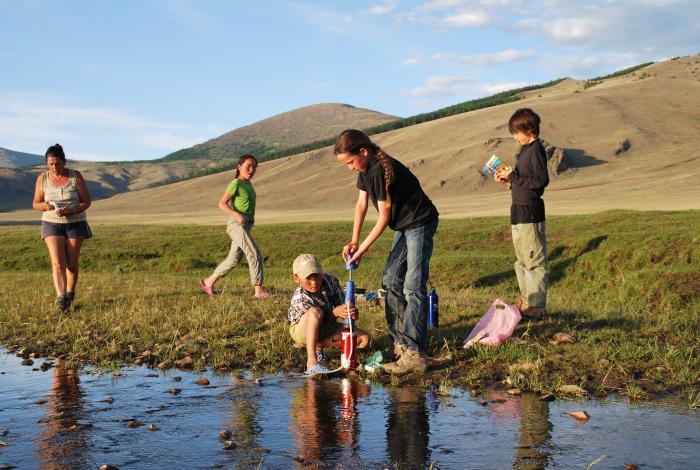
(493, 58)
(573, 66)
(492, 89)
(385, 7)
(660, 27)
(572, 29)
(440, 5)
(501, 2)
(28, 120)
(466, 19)
(413, 60)
(441, 85)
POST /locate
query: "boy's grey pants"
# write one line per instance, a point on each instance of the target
(530, 246)
(242, 243)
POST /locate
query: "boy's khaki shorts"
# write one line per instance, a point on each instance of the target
(326, 331)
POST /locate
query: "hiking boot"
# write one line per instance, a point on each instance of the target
(534, 313)
(62, 303)
(410, 361)
(399, 349)
(70, 296)
(521, 304)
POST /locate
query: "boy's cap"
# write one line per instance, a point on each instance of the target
(306, 265)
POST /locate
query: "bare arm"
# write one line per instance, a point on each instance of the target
(379, 226)
(38, 203)
(360, 213)
(226, 207)
(85, 199)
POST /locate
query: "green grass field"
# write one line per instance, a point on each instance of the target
(626, 285)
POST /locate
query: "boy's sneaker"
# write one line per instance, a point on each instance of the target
(410, 361)
(318, 369)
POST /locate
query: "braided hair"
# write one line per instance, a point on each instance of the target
(352, 141)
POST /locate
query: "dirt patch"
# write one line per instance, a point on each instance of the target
(687, 286)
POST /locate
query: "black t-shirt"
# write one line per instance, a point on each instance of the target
(410, 206)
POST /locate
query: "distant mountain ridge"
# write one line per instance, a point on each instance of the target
(13, 159)
(106, 179)
(285, 130)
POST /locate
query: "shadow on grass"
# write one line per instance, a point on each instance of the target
(557, 271)
(540, 331)
(579, 321)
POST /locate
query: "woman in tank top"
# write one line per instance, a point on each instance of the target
(62, 197)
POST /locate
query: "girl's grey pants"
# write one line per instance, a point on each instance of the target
(242, 244)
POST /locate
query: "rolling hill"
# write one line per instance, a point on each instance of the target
(631, 143)
(13, 159)
(303, 125)
(278, 132)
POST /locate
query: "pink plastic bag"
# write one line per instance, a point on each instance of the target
(495, 326)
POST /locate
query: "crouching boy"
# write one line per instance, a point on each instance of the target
(315, 306)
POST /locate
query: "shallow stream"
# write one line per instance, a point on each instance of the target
(61, 419)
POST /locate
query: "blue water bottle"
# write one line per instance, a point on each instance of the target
(433, 310)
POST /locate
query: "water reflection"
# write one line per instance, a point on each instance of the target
(62, 441)
(287, 422)
(324, 422)
(534, 434)
(407, 429)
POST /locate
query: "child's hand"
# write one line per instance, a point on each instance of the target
(501, 176)
(342, 311)
(349, 249)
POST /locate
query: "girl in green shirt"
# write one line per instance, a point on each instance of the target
(238, 202)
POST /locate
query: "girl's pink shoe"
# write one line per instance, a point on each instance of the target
(263, 295)
(209, 290)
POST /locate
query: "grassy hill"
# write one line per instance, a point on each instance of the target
(652, 110)
(13, 159)
(284, 130)
(276, 133)
(630, 139)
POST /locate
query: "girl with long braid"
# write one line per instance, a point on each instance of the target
(403, 206)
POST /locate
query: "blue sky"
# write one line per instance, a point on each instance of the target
(130, 79)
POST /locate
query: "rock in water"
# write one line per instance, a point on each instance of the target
(580, 415)
(185, 363)
(572, 390)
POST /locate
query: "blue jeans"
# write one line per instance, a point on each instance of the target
(405, 277)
